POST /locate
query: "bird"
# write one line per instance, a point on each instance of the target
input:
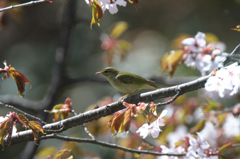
(126, 82)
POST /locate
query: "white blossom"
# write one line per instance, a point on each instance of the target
(197, 147)
(197, 43)
(225, 78)
(177, 135)
(111, 5)
(233, 76)
(152, 128)
(231, 126)
(210, 129)
(168, 150)
(147, 129)
(218, 84)
(160, 120)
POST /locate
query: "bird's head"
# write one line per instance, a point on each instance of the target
(108, 72)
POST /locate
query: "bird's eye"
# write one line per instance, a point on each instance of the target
(106, 71)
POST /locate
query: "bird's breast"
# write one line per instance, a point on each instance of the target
(122, 87)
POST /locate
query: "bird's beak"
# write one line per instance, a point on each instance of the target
(98, 73)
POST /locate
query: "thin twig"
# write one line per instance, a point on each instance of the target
(81, 140)
(24, 4)
(224, 62)
(171, 100)
(236, 145)
(24, 113)
(84, 127)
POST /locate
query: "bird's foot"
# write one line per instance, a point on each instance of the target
(123, 98)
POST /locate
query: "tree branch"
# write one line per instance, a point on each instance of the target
(92, 141)
(37, 106)
(24, 113)
(59, 70)
(237, 48)
(112, 108)
(25, 4)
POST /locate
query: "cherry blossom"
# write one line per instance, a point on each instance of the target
(202, 57)
(177, 135)
(197, 43)
(160, 120)
(197, 147)
(217, 83)
(210, 129)
(225, 78)
(233, 76)
(111, 5)
(147, 129)
(169, 150)
(231, 126)
(203, 63)
(152, 128)
(142, 106)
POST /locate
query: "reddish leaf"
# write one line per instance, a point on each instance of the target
(23, 119)
(114, 115)
(20, 80)
(35, 133)
(171, 60)
(64, 115)
(116, 123)
(36, 126)
(127, 120)
(97, 12)
(149, 117)
(63, 109)
(6, 130)
(55, 117)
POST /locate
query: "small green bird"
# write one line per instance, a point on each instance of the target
(126, 82)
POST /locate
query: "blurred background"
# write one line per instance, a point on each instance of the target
(30, 35)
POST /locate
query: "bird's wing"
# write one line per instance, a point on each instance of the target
(128, 79)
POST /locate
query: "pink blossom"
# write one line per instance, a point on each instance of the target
(142, 106)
